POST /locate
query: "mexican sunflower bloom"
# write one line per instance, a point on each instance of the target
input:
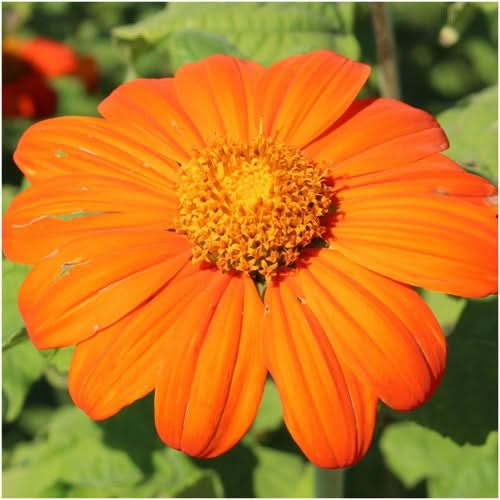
(236, 220)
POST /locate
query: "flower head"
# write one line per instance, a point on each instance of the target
(149, 229)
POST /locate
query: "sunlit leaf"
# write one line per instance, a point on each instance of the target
(415, 453)
(269, 416)
(8, 193)
(35, 419)
(74, 452)
(60, 358)
(175, 475)
(72, 97)
(464, 406)
(12, 322)
(282, 474)
(36, 468)
(472, 129)
(190, 46)
(264, 32)
(22, 365)
(446, 308)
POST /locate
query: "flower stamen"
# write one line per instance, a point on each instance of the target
(251, 207)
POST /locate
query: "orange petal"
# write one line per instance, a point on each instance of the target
(327, 409)
(435, 174)
(431, 240)
(212, 380)
(377, 134)
(93, 146)
(152, 105)
(120, 364)
(380, 329)
(302, 96)
(91, 283)
(219, 94)
(45, 216)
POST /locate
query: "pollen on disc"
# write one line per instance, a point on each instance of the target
(251, 207)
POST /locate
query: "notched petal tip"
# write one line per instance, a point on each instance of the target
(329, 412)
(210, 387)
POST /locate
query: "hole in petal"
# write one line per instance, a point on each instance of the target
(76, 215)
(67, 266)
(63, 217)
(492, 200)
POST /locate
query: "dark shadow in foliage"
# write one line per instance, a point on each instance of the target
(371, 478)
(133, 431)
(465, 406)
(281, 440)
(235, 469)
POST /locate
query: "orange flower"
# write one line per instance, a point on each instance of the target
(27, 66)
(148, 230)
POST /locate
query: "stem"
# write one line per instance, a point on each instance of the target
(386, 50)
(329, 483)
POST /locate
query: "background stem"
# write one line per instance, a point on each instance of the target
(329, 483)
(386, 50)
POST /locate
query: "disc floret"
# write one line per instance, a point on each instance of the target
(251, 207)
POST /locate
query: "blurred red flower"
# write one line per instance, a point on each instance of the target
(27, 66)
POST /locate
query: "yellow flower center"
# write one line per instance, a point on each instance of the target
(251, 207)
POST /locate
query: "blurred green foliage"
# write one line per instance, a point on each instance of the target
(451, 470)
(448, 65)
(265, 32)
(472, 129)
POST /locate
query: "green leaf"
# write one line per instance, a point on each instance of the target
(371, 475)
(269, 416)
(25, 184)
(253, 470)
(136, 422)
(27, 480)
(60, 358)
(452, 78)
(190, 46)
(35, 419)
(472, 129)
(264, 32)
(446, 308)
(69, 424)
(102, 467)
(74, 452)
(73, 98)
(464, 406)
(22, 365)
(483, 56)
(282, 474)
(415, 453)
(176, 475)
(8, 194)
(12, 322)
(206, 484)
